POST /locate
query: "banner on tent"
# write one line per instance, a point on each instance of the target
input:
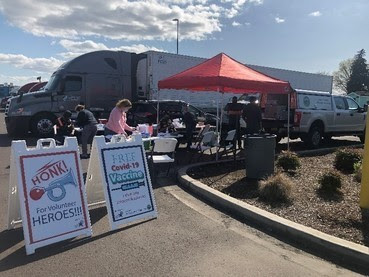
(119, 171)
(47, 183)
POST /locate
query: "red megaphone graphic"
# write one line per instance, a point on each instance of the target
(36, 193)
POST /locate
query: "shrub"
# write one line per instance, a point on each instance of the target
(358, 167)
(345, 160)
(288, 161)
(276, 189)
(330, 181)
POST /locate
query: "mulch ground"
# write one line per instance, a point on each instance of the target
(338, 215)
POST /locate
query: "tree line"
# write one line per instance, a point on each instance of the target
(352, 74)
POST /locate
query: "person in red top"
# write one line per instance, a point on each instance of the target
(117, 123)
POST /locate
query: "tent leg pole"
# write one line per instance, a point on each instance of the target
(157, 109)
(221, 115)
(218, 138)
(288, 121)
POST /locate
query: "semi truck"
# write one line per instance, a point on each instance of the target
(99, 79)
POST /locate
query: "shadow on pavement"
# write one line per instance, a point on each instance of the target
(6, 141)
(96, 214)
(9, 238)
(19, 257)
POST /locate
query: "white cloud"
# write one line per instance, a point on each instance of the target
(76, 48)
(233, 12)
(38, 65)
(49, 65)
(236, 24)
(315, 14)
(279, 20)
(46, 66)
(18, 80)
(121, 19)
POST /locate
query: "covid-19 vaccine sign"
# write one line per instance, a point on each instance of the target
(52, 193)
(125, 177)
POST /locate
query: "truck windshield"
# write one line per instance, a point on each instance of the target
(53, 82)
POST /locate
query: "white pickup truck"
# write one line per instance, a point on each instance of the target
(323, 115)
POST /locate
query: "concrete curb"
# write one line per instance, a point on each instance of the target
(351, 252)
(323, 151)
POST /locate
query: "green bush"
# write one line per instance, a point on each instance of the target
(288, 161)
(358, 167)
(346, 158)
(331, 181)
(276, 189)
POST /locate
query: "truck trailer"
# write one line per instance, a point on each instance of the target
(99, 79)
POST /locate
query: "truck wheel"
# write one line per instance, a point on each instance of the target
(314, 137)
(42, 125)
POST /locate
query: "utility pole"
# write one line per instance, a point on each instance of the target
(177, 20)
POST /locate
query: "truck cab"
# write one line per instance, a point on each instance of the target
(97, 80)
(37, 111)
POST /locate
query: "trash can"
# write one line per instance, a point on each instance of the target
(259, 155)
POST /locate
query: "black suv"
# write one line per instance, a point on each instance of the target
(146, 112)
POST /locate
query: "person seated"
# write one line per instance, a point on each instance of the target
(166, 125)
(63, 127)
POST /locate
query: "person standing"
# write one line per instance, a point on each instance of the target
(190, 122)
(252, 116)
(64, 127)
(117, 123)
(86, 120)
(234, 111)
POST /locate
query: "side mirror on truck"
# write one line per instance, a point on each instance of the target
(20, 97)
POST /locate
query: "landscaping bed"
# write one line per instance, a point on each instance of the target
(336, 214)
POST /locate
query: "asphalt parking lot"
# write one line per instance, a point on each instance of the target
(189, 238)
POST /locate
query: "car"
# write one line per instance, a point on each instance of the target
(146, 112)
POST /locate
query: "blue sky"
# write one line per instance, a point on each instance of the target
(303, 35)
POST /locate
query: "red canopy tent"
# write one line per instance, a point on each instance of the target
(225, 75)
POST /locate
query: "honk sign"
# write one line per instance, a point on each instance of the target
(53, 198)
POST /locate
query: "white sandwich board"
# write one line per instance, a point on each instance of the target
(118, 170)
(46, 185)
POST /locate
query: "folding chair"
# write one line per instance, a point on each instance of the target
(163, 152)
(201, 133)
(229, 144)
(206, 143)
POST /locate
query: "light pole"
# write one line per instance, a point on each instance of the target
(176, 19)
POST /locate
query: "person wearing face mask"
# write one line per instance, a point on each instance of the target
(117, 123)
